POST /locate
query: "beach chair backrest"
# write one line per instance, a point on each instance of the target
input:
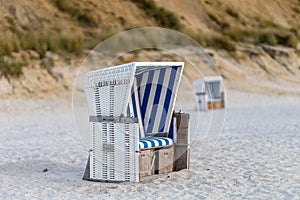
(210, 85)
(157, 85)
(107, 90)
(213, 87)
(142, 90)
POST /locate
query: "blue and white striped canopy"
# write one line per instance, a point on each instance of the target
(153, 95)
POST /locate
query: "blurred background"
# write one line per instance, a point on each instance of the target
(254, 44)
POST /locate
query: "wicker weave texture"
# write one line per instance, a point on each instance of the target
(108, 90)
(114, 154)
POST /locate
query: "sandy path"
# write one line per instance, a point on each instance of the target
(256, 156)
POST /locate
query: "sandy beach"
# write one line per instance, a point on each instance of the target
(255, 156)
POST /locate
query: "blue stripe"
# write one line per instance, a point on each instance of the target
(156, 100)
(166, 108)
(168, 96)
(128, 111)
(145, 145)
(146, 95)
(171, 131)
(160, 142)
(134, 103)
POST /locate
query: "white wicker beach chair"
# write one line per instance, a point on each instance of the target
(208, 92)
(129, 106)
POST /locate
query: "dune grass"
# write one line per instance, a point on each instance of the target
(163, 17)
(214, 41)
(84, 17)
(40, 42)
(263, 36)
(233, 13)
(10, 67)
(36, 41)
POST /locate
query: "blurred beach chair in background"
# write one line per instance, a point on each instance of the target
(133, 128)
(209, 93)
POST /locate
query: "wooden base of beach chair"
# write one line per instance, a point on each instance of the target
(182, 126)
(164, 160)
(183, 136)
(217, 104)
(182, 157)
(146, 162)
(156, 161)
(182, 120)
(182, 147)
(86, 175)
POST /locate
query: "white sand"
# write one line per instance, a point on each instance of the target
(256, 156)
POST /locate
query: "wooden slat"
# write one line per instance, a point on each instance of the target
(164, 160)
(146, 162)
(182, 157)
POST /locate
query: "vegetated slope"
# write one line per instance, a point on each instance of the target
(200, 15)
(67, 27)
(270, 21)
(65, 18)
(63, 15)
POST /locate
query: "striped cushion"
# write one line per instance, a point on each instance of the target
(152, 142)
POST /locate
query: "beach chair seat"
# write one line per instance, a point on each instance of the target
(154, 142)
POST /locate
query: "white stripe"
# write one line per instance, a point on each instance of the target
(163, 142)
(156, 144)
(141, 144)
(151, 100)
(160, 109)
(138, 110)
(131, 108)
